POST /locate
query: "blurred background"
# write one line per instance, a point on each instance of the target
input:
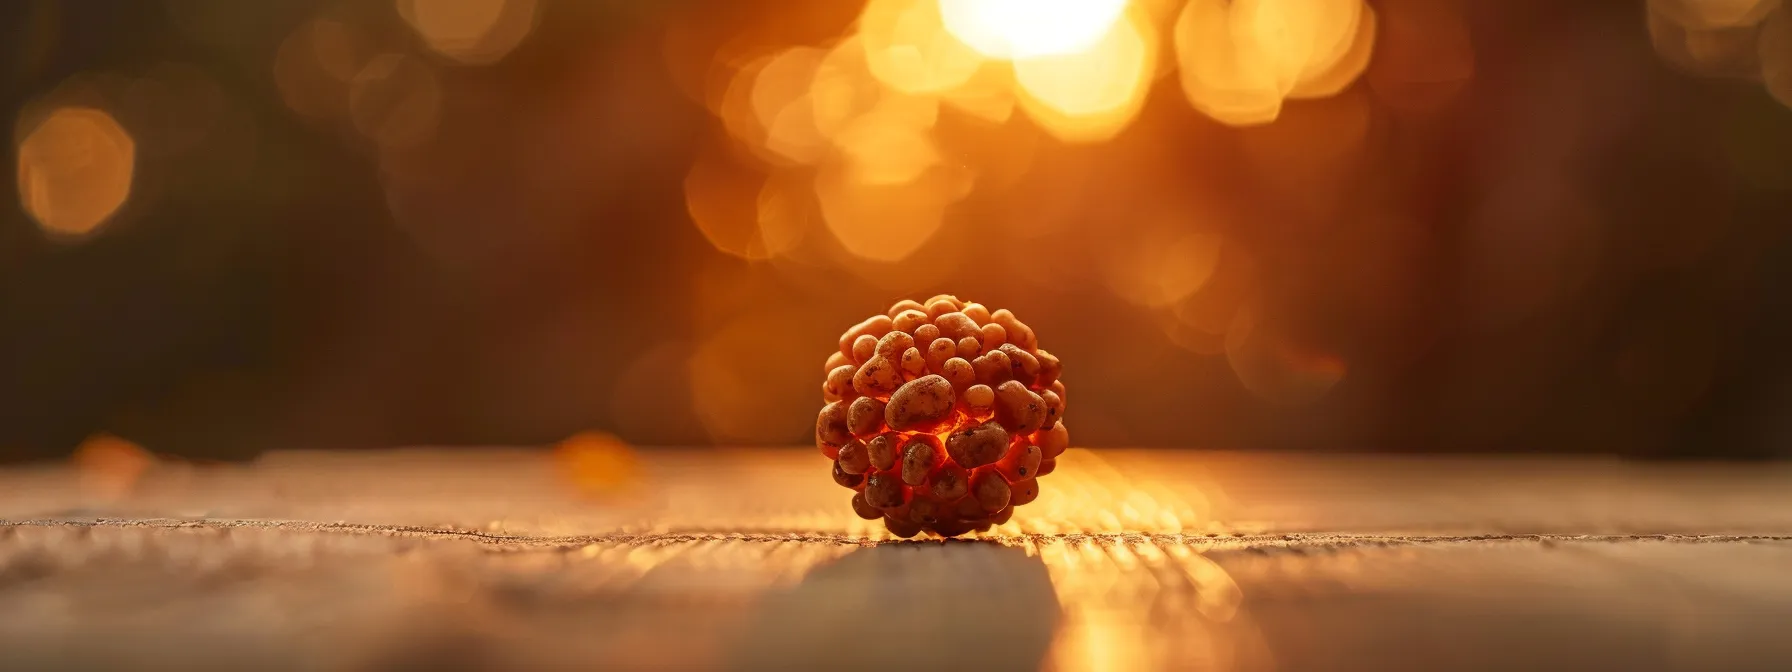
(1391, 225)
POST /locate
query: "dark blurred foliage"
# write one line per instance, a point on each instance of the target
(1584, 250)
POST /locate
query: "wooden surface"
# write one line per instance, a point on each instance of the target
(1129, 560)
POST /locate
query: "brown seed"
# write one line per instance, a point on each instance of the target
(927, 333)
(976, 312)
(830, 425)
(882, 451)
(840, 381)
(892, 344)
(969, 347)
(924, 511)
(1046, 467)
(1058, 386)
(864, 349)
(1023, 492)
(854, 457)
(1024, 365)
(883, 491)
(992, 335)
(1053, 442)
(942, 304)
(846, 479)
(835, 361)
(919, 458)
(1018, 332)
(1022, 461)
(1019, 408)
(874, 327)
(864, 508)
(1054, 408)
(878, 377)
(905, 304)
(988, 488)
(978, 445)
(959, 373)
(827, 394)
(913, 364)
(940, 350)
(922, 404)
(865, 417)
(993, 368)
(901, 528)
(951, 482)
(979, 401)
(909, 320)
(956, 325)
(1049, 368)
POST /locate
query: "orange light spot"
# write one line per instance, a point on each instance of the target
(75, 170)
(1017, 29)
(1092, 94)
(110, 466)
(908, 49)
(597, 462)
(1222, 76)
(470, 31)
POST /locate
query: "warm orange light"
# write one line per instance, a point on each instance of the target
(1347, 68)
(1092, 94)
(723, 199)
(75, 170)
(1159, 268)
(889, 144)
(909, 50)
(110, 466)
(1017, 29)
(781, 104)
(470, 31)
(885, 221)
(1300, 39)
(1224, 77)
(597, 462)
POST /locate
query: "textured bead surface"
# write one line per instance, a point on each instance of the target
(941, 415)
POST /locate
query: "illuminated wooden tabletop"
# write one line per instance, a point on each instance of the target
(752, 560)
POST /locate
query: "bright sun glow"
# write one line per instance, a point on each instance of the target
(1016, 29)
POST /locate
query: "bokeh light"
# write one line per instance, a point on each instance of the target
(782, 106)
(395, 100)
(1224, 77)
(476, 32)
(886, 221)
(1020, 29)
(1091, 95)
(110, 466)
(598, 463)
(723, 200)
(909, 50)
(75, 170)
